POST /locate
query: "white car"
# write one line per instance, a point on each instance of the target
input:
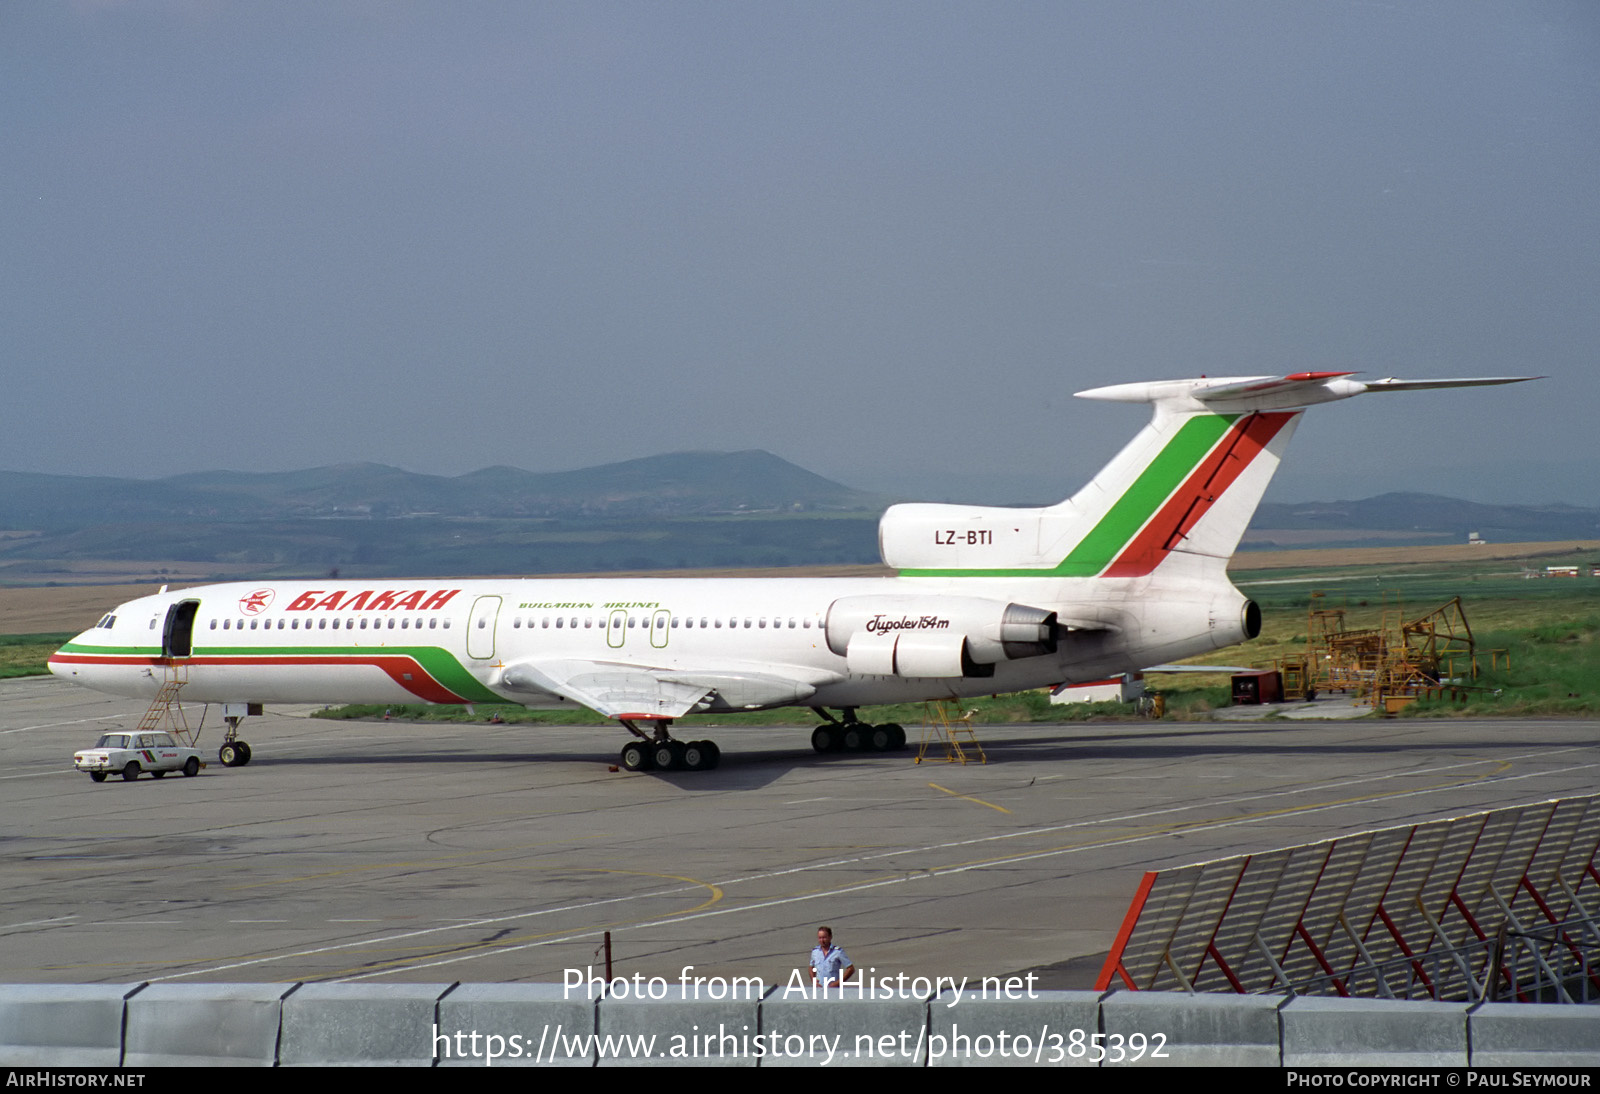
(128, 754)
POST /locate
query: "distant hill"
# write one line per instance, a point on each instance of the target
(1419, 518)
(677, 484)
(683, 510)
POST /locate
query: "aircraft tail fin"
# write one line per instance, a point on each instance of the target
(1185, 487)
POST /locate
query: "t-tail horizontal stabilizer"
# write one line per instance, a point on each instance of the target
(1176, 500)
(1235, 394)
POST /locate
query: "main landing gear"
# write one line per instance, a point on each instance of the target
(234, 752)
(853, 736)
(661, 752)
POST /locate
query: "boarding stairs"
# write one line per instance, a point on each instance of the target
(165, 712)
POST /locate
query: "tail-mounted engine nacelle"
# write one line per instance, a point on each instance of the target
(935, 636)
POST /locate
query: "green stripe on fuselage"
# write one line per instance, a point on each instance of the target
(124, 651)
(438, 663)
(1130, 512)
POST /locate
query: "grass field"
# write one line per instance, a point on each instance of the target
(25, 654)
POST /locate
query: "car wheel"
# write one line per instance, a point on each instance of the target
(191, 767)
(158, 774)
(98, 776)
(130, 772)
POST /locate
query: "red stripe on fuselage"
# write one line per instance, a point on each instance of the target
(422, 685)
(1193, 500)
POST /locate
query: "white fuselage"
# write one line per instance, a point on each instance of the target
(343, 641)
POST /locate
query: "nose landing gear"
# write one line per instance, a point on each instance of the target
(234, 752)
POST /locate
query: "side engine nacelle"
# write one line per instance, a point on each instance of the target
(943, 636)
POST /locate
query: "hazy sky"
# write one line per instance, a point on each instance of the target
(884, 240)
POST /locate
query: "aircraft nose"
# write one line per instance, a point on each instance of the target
(60, 667)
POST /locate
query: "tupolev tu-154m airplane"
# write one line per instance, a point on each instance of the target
(1127, 573)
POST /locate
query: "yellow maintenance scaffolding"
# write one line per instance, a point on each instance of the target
(1401, 660)
(953, 734)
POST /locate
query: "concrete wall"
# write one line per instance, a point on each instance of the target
(139, 1025)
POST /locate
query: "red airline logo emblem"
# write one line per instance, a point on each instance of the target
(256, 602)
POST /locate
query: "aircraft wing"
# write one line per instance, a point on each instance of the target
(618, 690)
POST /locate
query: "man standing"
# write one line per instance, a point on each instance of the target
(830, 965)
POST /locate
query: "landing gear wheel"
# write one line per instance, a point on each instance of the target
(244, 752)
(98, 776)
(191, 767)
(228, 754)
(695, 756)
(130, 772)
(880, 738)
(855, 738)
(637, 756)
(714, 751)
(898, 733)
(825, 739)
(669, 755)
